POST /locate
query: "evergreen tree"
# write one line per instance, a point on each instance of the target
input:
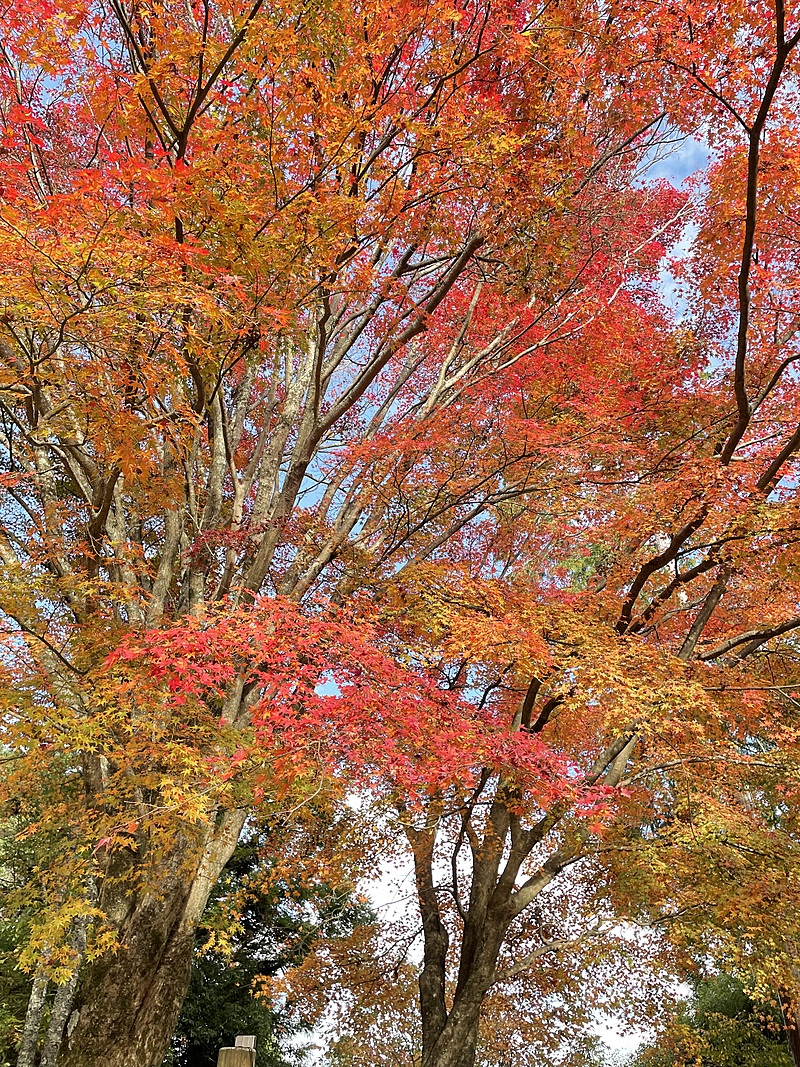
(256, 925)
(720, 1026)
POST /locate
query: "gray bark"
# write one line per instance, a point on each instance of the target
(33, 1019)
(65, 997)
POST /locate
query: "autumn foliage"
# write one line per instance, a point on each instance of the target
(354, 453)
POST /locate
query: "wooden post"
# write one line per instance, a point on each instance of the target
(236, 1057)
(243, 1053)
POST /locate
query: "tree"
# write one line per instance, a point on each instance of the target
(15, 988)
(227, 232)
(331, 338)
(255, 926)
(721, 1025)
(17, 862)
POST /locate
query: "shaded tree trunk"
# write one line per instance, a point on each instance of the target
(457, 1044)
(499, 892)
(450, 1037)
(128, 1003)
(791, 1025)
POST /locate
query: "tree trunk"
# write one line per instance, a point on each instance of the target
(33, 1019)
(458, 1041)
(128, 1003)
(65, 997)
(791, 1024)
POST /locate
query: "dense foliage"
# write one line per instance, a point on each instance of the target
(721, 1026)
(353, 461)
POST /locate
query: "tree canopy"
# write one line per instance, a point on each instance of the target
(353, 457)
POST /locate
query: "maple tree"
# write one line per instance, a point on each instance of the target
(349, 448)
